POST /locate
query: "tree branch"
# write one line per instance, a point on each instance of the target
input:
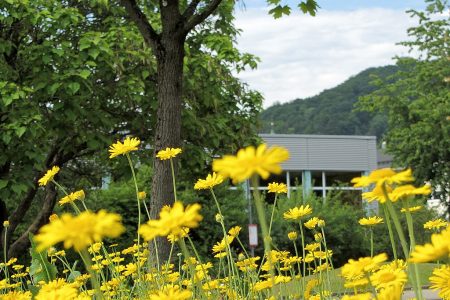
(200, 17)
(190, 10)
(141, 21)
(23, 242)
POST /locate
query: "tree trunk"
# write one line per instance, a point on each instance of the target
(170, 57)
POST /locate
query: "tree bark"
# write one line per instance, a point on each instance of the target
(168, 128)
(23, 242)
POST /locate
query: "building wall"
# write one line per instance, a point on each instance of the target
(326, 152)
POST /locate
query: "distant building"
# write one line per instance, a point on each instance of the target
(321, 163)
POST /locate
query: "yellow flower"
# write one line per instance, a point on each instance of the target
(173, 238)
(408, 190)
(292, 235)
(411, 209)
(313, 222)
(168, 153)
(439, 248)
(370, 221)
(172, 221)
(440, 281)
(6, 223)
(142, 195)
(53, 217)
(377, 194)
(392, 292)
(365, 296)
(354, 269)
(381, 176)
(248, 264)
(278, 188)
(15, 295)
(262, 161)
(128, 145)
(48, 176)
(297, 213)
(172, 292)
(356, 283)
(435, 224)
(387, 276)
(210, 182)
(57, 289)
(78, 195)
(80, 231)
(234, 232)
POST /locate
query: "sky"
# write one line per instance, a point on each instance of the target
(303, 55)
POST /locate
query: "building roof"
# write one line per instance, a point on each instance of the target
(326, 152)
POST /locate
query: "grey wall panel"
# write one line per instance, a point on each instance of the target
(326, 152)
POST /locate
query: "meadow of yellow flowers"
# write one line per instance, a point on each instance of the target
(129, 272)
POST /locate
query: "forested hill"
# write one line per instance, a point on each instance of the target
(330, 112)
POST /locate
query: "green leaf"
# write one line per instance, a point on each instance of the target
(94, 52)
(3, 183)
(279, 11)
(84, 74)
(40, 269)
(20, 131)
(74, 87)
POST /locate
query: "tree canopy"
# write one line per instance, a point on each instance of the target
(417, 100)
(75, 76)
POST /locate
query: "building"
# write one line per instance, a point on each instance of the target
(322, 163)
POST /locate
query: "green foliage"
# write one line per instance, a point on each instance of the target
(75, 76)
(278, 9)
(416, 100)
(40, 269)
(343, 233)
(330, 112)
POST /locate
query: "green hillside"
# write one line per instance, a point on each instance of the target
(330, 112)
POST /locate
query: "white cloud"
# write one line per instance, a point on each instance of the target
(303, 55)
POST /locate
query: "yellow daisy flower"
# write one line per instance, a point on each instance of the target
(48, 176)
(80, 231)
(411, 209)
(78, 195)
(370, 221)
(172, 221)
(435, 224)
(408, 190)
(277, 188)
(293, 235)
(297, 213)
(171, 292)
(440, 281)
(209, 182)
(128, 145)
(168, 153)
(438, 248)
(261, 160)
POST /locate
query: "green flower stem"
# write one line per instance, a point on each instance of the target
(371, 241)
(391, 233)
(94, 280)
(139, 210)
(398, 228)
(303, 252)
(409, 222)
(273, 211)
(173, 181)
(146, 209)
(186, 253)
(4, 252)
(262, 220)
(231, 267)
